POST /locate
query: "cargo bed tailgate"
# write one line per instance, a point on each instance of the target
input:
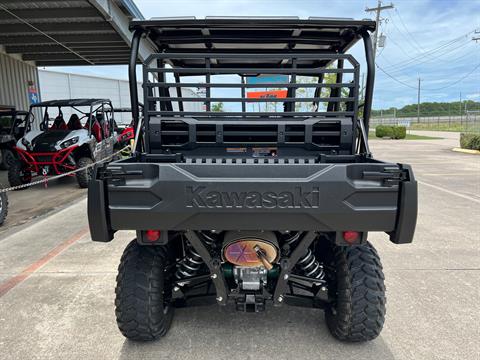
(195, 196)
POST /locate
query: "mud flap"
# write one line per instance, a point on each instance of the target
(407, 212)
(98, 214)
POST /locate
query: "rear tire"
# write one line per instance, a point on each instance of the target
(84, 176)
(19, 175)
(143, 300)
(8, 158)
(358, 313)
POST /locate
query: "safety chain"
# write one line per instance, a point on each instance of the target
(45, 180)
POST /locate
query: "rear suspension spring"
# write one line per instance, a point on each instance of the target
(308, 264)
(192, 263)
(209, 237)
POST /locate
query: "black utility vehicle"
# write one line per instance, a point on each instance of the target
(12, 128)
(268, 201)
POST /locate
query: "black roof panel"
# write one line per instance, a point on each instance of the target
(254, 34)
(71, 102)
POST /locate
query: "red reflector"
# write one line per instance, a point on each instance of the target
(152, 235)
(351, 236)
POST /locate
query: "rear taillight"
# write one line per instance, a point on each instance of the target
(152, 235)
(351, 236)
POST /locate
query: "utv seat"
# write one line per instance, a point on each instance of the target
(59, 124)
(74, 123)
(96, 129)
(103, 125)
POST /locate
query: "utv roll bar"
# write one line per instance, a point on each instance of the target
(132, 76)
(367, 108)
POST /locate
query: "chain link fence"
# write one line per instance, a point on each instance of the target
(469, 122)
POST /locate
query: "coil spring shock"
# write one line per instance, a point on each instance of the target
(191, 264)
(307, 263)
(209, 238)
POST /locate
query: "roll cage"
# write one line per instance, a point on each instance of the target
(246, 47)
(94, 106)
(122, 110)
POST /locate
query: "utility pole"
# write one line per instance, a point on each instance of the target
(461, 108)
(378, 10)
(418, 100)
(476, 38)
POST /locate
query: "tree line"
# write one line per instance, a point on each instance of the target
(454, 108)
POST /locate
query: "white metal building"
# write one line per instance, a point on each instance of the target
(55, 85)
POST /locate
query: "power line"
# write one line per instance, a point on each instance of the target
(402, 49)
(439, 51)
(457, 81)
(450, 60)
(408, 31)
(414, 62)
(431, 51)
(410, 39)
(429, 89)
(394, 78)
(411, 63)
(416, 48)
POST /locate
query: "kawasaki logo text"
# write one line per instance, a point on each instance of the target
(200, 197)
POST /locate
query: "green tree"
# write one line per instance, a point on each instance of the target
(218, 107)
(329, 78)
(453, 108)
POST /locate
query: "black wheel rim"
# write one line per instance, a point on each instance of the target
(9, 159)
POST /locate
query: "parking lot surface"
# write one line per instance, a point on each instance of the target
(57, 287)
(38, 201)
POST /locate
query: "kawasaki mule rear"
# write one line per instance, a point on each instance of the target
(260, 191)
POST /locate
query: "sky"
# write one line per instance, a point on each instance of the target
(426, 39)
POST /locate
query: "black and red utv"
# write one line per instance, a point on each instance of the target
(71, 135)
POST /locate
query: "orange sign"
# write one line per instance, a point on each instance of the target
(272, 94)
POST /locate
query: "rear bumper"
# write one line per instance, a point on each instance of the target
(318, 197)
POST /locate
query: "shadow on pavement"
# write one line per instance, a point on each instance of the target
(278, 333)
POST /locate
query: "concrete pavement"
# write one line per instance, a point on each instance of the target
(65, 307)
(37, 201)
